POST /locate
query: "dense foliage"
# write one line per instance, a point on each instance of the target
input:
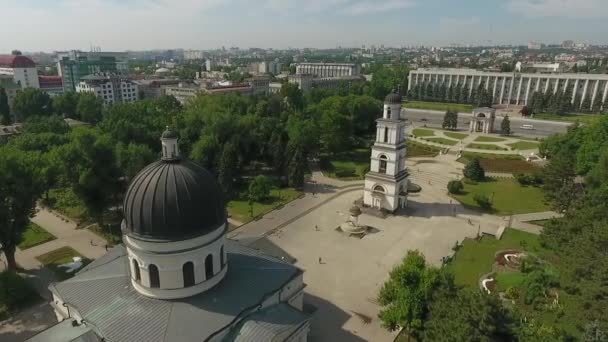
(435, 92)
(474, 171)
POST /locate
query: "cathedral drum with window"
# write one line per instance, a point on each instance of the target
(174, 227)
(386, 183)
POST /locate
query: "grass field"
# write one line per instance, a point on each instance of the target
(504, 280)
(415, 149)
(489, 139)
(442, 141)
(507, 196)
(507, 163)
(490, 147)
(60, 256)
(350, 165)
(475, 257)
(421, 132)
(34, 235)
(583, 118)
(240, 210)
(439, 106)
(454, 135)
(524, 145)
(67, 203)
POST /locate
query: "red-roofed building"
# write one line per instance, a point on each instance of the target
(52, 85)
(21, 68)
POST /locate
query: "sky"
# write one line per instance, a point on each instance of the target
(116, 25)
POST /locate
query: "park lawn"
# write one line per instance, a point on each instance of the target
(454, 135)
(439, 106)
(53, 259)
(112, 234)
(65, 201)
(524, 145)
(415, 149)
(346, 165)
(583, 118)
(489, 139)
(34, 235)
(442, 141)
(507, 195)
(504, 280)
(490, 147)
(476, 257)
(240, 210)
(15, 294)
(422, 132)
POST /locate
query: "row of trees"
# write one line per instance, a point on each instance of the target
(561, 103)
(428, 91)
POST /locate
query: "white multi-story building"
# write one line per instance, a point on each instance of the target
(21, 68)
(193, 55)
(509, 88)
(328, 69)
(109, 88)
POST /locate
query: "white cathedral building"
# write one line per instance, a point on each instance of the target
(386, 184)
(177, 278)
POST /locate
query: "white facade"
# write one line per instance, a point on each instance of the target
(516, 88)
(110, 90)
(386, 183)
(328, 69)
(25, 77)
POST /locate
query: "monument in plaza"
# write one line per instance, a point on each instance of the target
(386, 184)
(483, 120)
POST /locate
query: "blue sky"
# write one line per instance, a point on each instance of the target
(46, 25)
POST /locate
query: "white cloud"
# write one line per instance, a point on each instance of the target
(366, 7)
(560, 8)
(350, 7)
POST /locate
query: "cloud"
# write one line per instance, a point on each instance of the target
(348, 7)
(366, 7)
(560, 8)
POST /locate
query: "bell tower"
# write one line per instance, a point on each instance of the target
(387, 181)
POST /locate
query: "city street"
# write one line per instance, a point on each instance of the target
(433, 118)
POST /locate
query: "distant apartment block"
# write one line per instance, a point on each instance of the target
(109, 88)
(74, 65)
(190, 55)
(516, 88)
(328, 69)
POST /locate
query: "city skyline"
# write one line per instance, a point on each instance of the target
(208, 24)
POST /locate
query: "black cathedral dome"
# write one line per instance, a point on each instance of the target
(393, 98)
(173, 200)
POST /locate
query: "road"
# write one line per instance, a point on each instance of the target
(432, 118)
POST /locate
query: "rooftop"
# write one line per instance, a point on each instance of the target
(11, 61)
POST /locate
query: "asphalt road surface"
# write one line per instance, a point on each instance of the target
(541, 128)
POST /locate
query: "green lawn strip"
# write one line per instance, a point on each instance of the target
(454, 135)
(467, 156)
(421, 132)
(524, 145)
(489, 139)
(15, 294)
(439, 106)
(67, 203)
(111, 234)
(490, 147)
(34, 235)
(507, 195)
(60, 256)
(347, 165)
(415, 149)
(240, 209)
(504, 163)
(476, 257)
(583, 118)
(504, 280)
(442, 141)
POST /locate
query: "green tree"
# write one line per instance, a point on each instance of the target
(206, 151)
(89, 108)
(5, 111)
(474, 171)
(335, 131)
(296, 166)
(405, 297)
(227, 166)
(468, 315)
(19, 190)
(259, 188)
(455, 186)
(559, 186)
(450, 120)
(89, 165)
(292, 93)
(505, 126)
(131, 158)
(30, 101)
(65, 105)
(483, 201)
(45, 124)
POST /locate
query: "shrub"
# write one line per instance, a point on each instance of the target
(474, 171)
(529, 179)
(259, 188)
(483, 201)
(512, 293)
(455, 186)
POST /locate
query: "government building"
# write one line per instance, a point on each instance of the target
(328, 69)
(176, 277)
(508, 88)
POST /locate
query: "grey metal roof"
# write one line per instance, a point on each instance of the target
(271, 324)
(66, 332)
(173, 201)
(103, 295)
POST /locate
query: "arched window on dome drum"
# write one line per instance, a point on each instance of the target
(222, 258)
(188, 272)
(383, 163)
(136, 273)
(208, 266)
(378, 188)
(154, 277)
